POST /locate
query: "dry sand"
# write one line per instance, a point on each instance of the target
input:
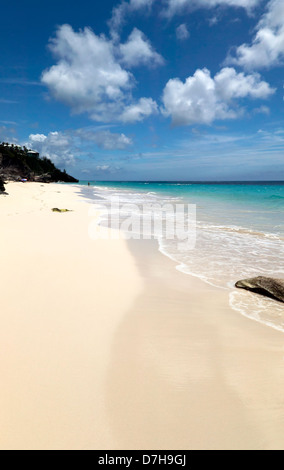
(104, 345)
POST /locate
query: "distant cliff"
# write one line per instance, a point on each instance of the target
(17, 163)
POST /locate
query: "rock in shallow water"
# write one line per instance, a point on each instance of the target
(268, 286)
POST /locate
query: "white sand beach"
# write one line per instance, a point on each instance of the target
(105, 345)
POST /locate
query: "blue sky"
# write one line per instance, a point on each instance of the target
(146, 89)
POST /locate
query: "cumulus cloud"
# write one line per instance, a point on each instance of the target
(88, 76)
(39, 138)
(203, 99)
(230, 84)
(182, 32)
(267, 46)
(137, 112)
(138, 50)
(56, 145)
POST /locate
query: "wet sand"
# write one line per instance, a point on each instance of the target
(201, 375)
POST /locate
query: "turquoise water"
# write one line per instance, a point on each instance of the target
(256, 206)
(239, 233)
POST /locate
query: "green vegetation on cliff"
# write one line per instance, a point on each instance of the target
(17, 163)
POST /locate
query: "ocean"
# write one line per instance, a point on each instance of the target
(239, 233)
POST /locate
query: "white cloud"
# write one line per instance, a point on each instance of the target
(182, 32)
(170, 8)
(262, 110)
(135, 4)
(117, 19)
(213, 21)
(274, 138)
(102, 167)
(177, 6)
(64, 147)
(56, 145)
(9, 123)
(6, 134)
(122, 10)
(88, 76)
(203, 99)
(111, 141)
(38, 137)
(138, 111)
(138, 50)
(5, 101)
(20, 81)
(267, 47)
(230, 84)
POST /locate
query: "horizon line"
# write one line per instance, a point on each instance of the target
(184, 181)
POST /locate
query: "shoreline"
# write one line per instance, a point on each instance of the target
(223, 254)
(106, 345)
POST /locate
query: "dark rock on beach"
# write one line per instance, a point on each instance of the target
(268, 286)
(2, 187)
(55, 209)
